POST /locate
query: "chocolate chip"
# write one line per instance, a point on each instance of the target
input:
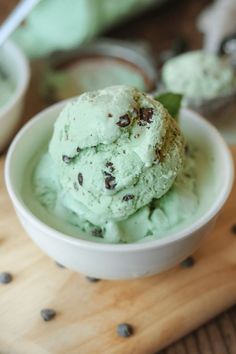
(107, 174)
(97, 232)
(233, 229)
(78, 149)
(47, 314)
(5, 278)
(110, 166)
(124, 330)
(59, 264)
(124, 121)
(76, 186)
(146, 114)
(92, 279)
(110, 182)
(188, 262)
(110, 115)
(127, 197)
(66, 159)
(80, 179)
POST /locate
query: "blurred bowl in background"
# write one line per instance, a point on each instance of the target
(15, 67)
(102, 63)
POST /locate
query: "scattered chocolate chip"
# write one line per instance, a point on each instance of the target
(97, 232)
(124, 121)
(5, 278)
(80, 179)
(127, 197)
(124, 330)
(59, 264)
(110, 115)
(78, 149)
(146, 115)
(76, 186)
(110, 182)
(233, 229)
(47, 314)
(92, 279)
(188, 262)
(66, 159)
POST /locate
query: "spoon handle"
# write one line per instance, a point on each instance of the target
(15, 18)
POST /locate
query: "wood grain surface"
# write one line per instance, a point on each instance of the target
(20, 309)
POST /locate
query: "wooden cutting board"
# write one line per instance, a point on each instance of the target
(161, 308)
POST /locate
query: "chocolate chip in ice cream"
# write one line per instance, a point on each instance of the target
(80, 179)
(146, 115)
(97, 232)
(110, 166)
(110, 182)
(66, 159)
(123, 121)
(107, 174)
(127, 197)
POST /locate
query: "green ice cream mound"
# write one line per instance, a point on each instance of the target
(199, 75)
(114, 151)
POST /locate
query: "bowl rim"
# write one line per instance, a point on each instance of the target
(188, 230)
(23, 67)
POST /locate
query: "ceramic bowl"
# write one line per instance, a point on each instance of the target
(123, 261)
(15, 65)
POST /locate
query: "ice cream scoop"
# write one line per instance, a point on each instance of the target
(114, 150)
(199, 76)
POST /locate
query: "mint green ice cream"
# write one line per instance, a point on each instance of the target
(116, 170)
(61, 25)
(199, 75)
(114, 143)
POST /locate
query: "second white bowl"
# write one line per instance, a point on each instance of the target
(15, 65)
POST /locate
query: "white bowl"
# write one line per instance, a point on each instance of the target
(122, 261)
(15, 65)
